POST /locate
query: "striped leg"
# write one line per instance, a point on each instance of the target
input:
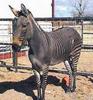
(44, 81)
(74, 70)
(41, 82)
(68, 67)
(38, 81)
(73, 63)
(75, 59)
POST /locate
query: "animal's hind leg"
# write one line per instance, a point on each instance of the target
(74, 70)
(75, 59)
(68, 67)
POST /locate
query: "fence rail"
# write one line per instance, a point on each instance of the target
(54, 19)
(51, 20)
(85, 34)
(64, 19)
(56, 70)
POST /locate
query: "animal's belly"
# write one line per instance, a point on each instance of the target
(55, 61)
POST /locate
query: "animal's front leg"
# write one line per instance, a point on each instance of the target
(40, 71)
(38, 81)
(44, 81)
(41, 79)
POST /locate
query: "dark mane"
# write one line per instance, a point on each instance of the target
(35, 21)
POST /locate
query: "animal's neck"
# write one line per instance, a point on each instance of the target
(36, 29)
(39, 41)
(37, 33)
(35, 26)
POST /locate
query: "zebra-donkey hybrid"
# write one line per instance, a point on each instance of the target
(47, 48)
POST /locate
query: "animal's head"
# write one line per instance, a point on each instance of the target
(22, 27)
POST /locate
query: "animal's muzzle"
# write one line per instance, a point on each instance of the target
(17, 43)
(17, 40)
(16, 48)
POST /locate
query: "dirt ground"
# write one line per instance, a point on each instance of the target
(21, 85)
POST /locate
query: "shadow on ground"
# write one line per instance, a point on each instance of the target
(26, 86)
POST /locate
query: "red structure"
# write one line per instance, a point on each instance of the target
(6, 55)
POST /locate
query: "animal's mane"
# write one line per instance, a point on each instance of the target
(35, 21)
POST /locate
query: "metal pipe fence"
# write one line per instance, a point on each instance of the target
(84, 25)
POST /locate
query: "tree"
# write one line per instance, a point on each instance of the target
(79, 7)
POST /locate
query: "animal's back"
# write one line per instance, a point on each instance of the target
(62, 43)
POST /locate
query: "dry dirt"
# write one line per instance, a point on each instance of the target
(21, 85)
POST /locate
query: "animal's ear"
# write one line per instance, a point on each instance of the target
(15, 12)
(24, 10)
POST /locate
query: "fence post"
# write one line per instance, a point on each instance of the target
(15, 59)
(82, 29)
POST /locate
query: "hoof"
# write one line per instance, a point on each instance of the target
(69, 90)
(72, 90)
